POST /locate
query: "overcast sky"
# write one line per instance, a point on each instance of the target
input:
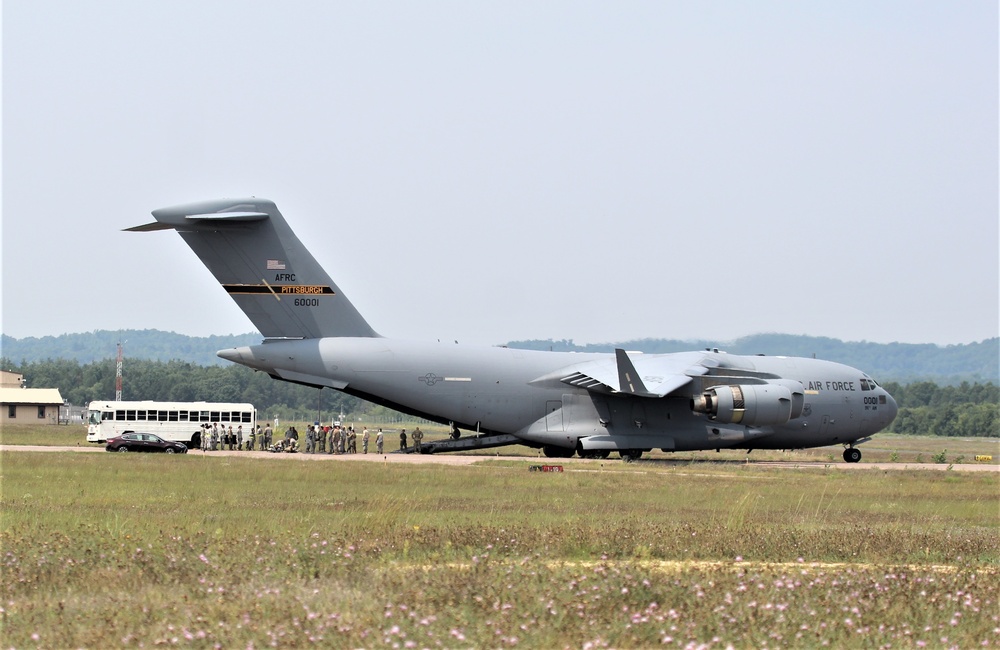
(497, 171)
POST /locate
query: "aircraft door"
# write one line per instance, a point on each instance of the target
(554, 416)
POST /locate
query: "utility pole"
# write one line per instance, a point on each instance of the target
(118, 374)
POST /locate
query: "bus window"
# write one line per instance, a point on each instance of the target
(140, 415)
(216, 416)
(204, 416)
(178, 416)
(161, 416)
(129, 414)
(108, 415)
(247, 417)
(120, 416)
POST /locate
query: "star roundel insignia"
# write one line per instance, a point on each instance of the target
(430, 379)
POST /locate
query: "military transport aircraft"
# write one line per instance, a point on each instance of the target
(562, 402)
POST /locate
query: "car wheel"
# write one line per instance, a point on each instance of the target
(170, 450)
(123, 448)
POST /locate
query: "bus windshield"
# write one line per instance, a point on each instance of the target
(94, 418)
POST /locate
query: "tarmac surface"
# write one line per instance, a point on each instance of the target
(584, 464)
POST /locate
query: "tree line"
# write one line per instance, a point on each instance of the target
(966, 410)
(179, 381)
(925, 408)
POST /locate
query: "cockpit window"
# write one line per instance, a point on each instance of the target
(867, 383)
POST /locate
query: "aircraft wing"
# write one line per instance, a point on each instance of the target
(637, 374)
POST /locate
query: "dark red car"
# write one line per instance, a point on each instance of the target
(145, 442)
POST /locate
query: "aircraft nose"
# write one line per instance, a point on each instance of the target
(890, 408)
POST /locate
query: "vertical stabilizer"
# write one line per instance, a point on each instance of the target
(262, 265)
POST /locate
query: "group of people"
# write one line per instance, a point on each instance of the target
(342, 440)
(216, 436)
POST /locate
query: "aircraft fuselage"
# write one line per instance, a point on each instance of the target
(497, 390)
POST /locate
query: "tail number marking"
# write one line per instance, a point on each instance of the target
(306, 302)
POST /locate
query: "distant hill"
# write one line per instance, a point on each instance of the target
(154, 345)
(900, 362)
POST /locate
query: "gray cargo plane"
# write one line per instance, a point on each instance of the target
(562, 402)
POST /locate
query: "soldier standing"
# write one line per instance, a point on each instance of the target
(379, 440)
(251, 440)
(266, 440)
(239, 437)
(310, 439)
(418, 435)
(352, 441)
(402, 440)
(322, 440)
(364, 440)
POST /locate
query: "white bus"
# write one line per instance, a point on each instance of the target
(178, 421)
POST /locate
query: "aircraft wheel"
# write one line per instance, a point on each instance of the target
(557, 452)
(852, 454)
(628, 455)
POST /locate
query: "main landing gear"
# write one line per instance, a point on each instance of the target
(852, 455)
(558, 452)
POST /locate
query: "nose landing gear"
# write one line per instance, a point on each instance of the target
(852, 455)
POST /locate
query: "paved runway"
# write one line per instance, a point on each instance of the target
(465, 459)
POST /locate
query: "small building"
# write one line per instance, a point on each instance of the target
(10, 379)
(27, 405)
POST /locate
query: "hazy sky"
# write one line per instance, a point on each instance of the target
(496, 171)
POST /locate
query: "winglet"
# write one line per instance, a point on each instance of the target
(628, 379)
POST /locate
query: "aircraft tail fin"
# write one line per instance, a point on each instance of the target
(265, 269)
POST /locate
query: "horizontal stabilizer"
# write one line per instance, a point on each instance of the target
(229, 216)
(150, 227)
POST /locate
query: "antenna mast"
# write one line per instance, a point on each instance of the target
(118, 374)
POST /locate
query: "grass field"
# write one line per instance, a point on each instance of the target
(135, 550)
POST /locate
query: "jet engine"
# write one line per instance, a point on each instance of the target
(752, 405)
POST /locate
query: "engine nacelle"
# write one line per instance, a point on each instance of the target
(751, 405)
